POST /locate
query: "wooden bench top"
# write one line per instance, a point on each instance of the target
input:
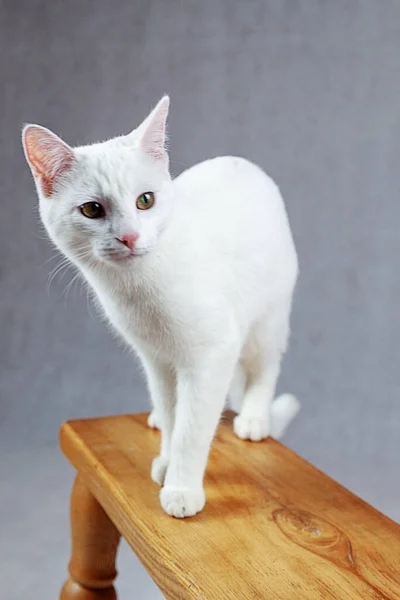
(274, 527)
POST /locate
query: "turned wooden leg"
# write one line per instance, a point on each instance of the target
(94, 547)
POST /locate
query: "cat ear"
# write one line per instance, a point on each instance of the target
(47, 155)
(151, 135)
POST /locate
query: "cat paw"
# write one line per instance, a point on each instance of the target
(159, 469)
(181, 503)
(153, 420)
(254, 429)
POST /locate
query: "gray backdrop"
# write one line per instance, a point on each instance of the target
(309, 90)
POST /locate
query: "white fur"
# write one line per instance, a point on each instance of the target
(204, 297)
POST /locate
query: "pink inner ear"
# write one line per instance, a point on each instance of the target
(156, 149)
(48, 156)
(153, 140)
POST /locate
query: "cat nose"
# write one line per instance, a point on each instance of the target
(129, 240)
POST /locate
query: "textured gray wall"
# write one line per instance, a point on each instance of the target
(310, 90)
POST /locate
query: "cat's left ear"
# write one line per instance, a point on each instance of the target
(151, 135)
(48, 156)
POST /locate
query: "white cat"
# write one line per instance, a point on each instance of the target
(197, 274)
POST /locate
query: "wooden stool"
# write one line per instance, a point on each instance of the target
(273, 528)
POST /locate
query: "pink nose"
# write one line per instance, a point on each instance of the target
(129, 240)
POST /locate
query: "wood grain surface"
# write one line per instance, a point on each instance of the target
(274, 527)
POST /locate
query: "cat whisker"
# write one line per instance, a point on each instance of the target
(89, 304)
(182, 164)
(75, 280)
(49, 260)
(39, 237)
(62, 267)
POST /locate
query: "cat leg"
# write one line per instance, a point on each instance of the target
(237, 387)
(262, 365)
(254, 421)
(202, 391)
(161, 381)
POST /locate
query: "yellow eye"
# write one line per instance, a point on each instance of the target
(145, 201)
(93, 210)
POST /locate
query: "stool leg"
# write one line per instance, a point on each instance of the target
(94, 547)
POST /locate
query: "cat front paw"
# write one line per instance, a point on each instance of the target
(181, 503)
(159, 469)
(153, 420)
(250, 428)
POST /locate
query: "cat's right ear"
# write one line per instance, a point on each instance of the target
(47, 155)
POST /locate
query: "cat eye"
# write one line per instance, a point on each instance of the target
(92, 210)
(145, 201)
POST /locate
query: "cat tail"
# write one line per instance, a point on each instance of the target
(283, 410)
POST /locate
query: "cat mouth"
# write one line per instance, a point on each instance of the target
(125, 257)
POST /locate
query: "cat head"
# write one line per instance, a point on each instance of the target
(106, 203)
